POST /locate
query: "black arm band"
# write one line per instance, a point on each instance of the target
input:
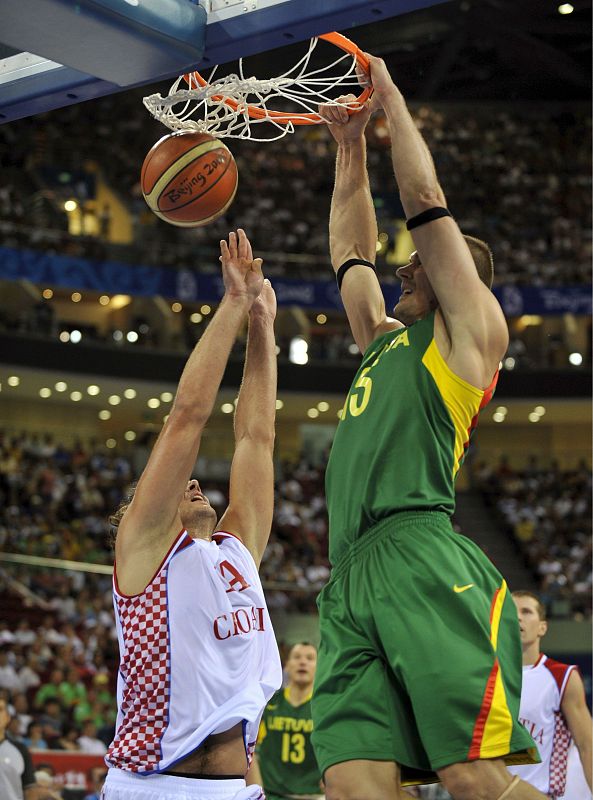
(427, 216)
(352, 262)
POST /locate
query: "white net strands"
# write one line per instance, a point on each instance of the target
(205, 109)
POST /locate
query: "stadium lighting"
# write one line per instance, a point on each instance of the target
(61, 386)
(70, 205)
(565, 8)
(312, 413)
(576, 359)
(13, 380)
(539, 410)
(498, 416)
(105, 414)
(45, 392)
(533, 417)
(93, 390)
(129, 436)
(279, 405)
(153, 402)
(76, 396)
(298, 350)
(321, 319)
(114, 400)
(227, 408)
(75, 336)
(129, 394)
(323, 406)
(132, 336)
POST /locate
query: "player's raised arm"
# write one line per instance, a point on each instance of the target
(151, 521)
(473, 317)
(251, 491)
(353, 226)
(578, 718)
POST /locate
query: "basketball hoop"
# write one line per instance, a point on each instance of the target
(230, 107)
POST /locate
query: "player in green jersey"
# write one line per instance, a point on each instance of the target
(284, 756)
(419, 673)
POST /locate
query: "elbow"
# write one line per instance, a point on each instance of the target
(258, 435)
(418, 199)
(189, 414)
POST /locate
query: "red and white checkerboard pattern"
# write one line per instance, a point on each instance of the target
(559, 759)
(145, 668)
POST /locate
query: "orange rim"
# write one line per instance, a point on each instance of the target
(308, 118)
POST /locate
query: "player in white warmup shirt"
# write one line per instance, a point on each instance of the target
(554, 711)
(198, 656)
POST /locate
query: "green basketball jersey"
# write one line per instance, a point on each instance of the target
(403, 435)
(284, 750)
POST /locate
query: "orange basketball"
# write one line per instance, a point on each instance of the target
(189, 179)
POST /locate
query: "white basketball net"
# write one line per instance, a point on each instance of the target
(203, 108)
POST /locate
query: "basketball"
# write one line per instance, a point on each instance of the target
(189, 179)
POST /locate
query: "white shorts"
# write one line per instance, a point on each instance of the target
(123, 785)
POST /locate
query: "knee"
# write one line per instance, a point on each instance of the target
(337, 789)
(465, 785)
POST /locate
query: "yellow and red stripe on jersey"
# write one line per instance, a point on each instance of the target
(462, 400)
(494, 724)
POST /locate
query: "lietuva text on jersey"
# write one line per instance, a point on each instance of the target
(197, 654)
(403, 434)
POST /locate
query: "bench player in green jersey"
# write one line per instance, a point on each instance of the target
(284, 756)
(419, 673)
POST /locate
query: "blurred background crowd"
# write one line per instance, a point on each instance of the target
(518, 177)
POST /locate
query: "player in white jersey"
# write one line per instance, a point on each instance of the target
(198, 657)
(554, 711)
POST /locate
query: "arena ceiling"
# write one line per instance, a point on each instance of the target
(483, 50)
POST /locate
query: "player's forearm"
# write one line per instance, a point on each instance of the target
(256, 405)
(202, 375)
(352, 221)
(414, 168)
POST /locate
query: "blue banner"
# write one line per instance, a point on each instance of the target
(185, 285)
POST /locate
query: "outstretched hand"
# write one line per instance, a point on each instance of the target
(241, 273)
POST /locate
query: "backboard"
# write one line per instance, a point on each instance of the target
(55, 53)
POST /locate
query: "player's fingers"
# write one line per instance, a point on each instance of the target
(243, 244)
(249, 250)
(224, 251)
(324, 112)
(233, 244)
(362, 76)
(256, 265)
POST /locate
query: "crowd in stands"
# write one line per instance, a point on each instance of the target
(58, 646)
(519, 178)
(548, 512)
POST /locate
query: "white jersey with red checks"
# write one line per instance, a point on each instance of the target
(543, 688)
(197, 654)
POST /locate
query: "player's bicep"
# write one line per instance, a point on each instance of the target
(365, 306)
(251, 495)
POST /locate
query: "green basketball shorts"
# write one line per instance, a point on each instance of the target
(420, 657)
